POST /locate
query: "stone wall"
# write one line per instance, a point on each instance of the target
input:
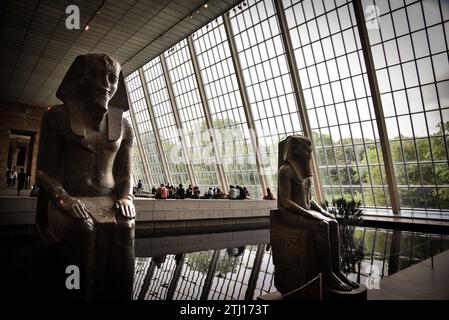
(20, 118)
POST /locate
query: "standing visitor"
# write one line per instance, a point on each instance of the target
(20, 181)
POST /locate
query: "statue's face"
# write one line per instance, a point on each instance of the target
(300, 154)
(100, 81)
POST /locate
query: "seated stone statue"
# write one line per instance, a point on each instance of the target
(304, 236)
(84, 176)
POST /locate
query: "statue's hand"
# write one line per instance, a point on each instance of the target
(73, 206)
(126, 208)
(327, 214)
(318, 208)
(315, 215)
(310, 213)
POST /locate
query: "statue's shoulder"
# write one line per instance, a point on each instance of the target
(127, 129)
(56, 115)
(126, 124)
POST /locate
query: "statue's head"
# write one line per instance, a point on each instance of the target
(95, 79)
(297, 151)
(99, 79)
(94, 82)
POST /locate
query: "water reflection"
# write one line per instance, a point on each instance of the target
(238, 265)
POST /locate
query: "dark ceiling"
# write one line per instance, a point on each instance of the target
(36, 48)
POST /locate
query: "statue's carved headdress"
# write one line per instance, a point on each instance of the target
(297, 151)
(69, 92)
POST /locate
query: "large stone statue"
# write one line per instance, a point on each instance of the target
(84, 175)
(304, 236)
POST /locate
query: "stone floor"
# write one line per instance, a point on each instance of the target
(419, 282)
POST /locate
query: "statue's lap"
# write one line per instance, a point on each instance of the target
(102, 211)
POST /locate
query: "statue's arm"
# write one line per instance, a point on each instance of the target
(48, 165)
(285, 195)
(315, 206)
(122, 173)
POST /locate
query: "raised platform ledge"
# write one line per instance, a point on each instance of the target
(21, 210)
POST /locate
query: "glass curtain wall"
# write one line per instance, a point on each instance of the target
(165, 120)
(226, 107)
(267, 79)
(409, 42)
(338, 99)
(410, 50)
(191, 112)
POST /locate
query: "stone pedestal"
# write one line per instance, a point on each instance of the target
(294, 258)
(296, 264)
(272, 296)
(359, 294)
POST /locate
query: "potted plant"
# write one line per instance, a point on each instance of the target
(349, 216)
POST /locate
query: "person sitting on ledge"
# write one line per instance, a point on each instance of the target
(219, 194)
(196, 193)
(181, 192)
(161, 192)
(189, 192)
(269, 195)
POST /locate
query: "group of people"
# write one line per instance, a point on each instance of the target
(192, 192)
(168, 191)
(12, 178)
(238, 193)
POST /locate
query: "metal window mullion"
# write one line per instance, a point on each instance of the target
(359, 121)
(385, 254)
(245, 100)
(146, 281)
(328, 127)
(298, 93)
(255, 271)
(177, 117)
(175, 279)
(210, 275)
(425, 112)
(377, 104)
(206, 109)
(265, 272)
(396, 116)
(142, 154)
(157, 136)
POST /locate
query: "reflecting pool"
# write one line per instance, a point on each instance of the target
(224, 265)
(238, 265)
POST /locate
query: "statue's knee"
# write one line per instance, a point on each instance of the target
(323, 226)
(333, 223)
(125, 228)
(83, 227)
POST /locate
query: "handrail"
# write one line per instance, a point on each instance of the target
(319, 276)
